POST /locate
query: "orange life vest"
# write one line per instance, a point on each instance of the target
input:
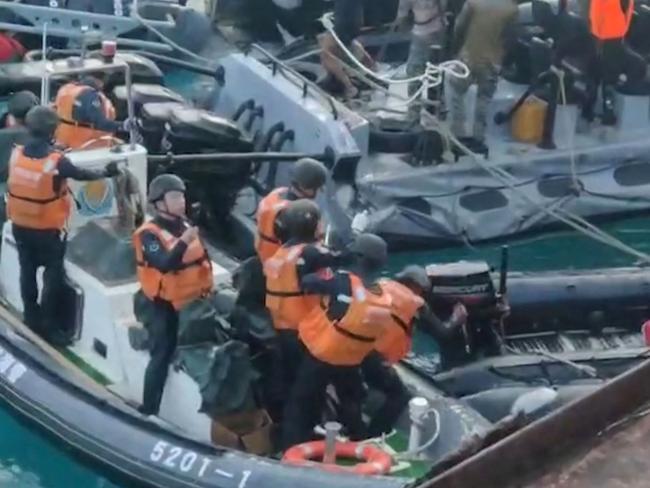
(32, 201)
(608, 20)
(180, 287)
(395, 343)
(71, 133)
(284, 297)
(266, 242)
(346, 342)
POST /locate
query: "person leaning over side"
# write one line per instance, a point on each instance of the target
(408, 311)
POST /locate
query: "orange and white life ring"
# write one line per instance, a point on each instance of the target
(376, 461)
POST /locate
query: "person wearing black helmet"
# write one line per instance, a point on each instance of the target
(86, 113)
(14, 131)
(308, 177)
(409, 309)
(286, 301)
(39, 214)
(173, 269)
(337, 335)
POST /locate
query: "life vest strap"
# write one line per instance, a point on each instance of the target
(73, 123)
(401, 324)
(266, 238)
(42, 201)
(284, 293)
(352, 335)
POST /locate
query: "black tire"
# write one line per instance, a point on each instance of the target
(393, 139)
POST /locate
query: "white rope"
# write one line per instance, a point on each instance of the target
(433, 74)
(574, 221)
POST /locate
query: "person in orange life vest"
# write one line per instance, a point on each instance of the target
(38, 205)
(86, 113)
(308, 177)
(408, 310)
(337, 336)
(173, 269)
(285, 299)
(609, 22)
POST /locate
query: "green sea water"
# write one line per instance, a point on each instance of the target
(28, 460)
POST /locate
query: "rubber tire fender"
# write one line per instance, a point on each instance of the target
(394, 141)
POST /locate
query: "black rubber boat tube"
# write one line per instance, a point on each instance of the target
(126, 446)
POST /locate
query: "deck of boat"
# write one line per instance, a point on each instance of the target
(619, 458)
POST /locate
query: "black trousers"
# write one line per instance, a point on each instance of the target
(163, 336)
(287, 354)
(38, 248)
(307, 399)
(380, 375)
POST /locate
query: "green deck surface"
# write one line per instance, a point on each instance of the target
(85, 367)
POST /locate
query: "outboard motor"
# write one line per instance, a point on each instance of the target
(470, 284)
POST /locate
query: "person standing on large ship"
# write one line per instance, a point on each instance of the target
(482, 30)
(348, 21)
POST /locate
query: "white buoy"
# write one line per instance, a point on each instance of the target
(418, 410)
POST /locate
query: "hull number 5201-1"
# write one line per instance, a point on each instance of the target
(189, 462)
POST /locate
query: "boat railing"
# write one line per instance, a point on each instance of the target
(77, 24)
(308, 87)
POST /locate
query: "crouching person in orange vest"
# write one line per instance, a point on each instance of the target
(308, 177)
(173, 269)
(408, 310)
(86, 114)
(39, 205)
(337, 335)
(286, 301)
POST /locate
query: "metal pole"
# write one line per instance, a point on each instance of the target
(44, 79)
(332, 430)
(245, 157)
(129, 105)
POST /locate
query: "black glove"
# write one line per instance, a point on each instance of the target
(111, 169)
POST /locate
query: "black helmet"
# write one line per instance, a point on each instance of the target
(302, 217)
(163, 184)
(20, 103)
(42, 121)
(309, 174)
(371, 248)
(414, 274)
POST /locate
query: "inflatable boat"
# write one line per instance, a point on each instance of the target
(215, 429)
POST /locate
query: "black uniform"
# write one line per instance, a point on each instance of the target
(307, 396)
(45, 247)
(163, 327)
(289, 353)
